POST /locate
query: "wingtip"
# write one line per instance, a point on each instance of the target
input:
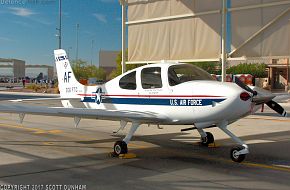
(17, 100)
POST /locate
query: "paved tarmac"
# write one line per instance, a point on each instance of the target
(50, 151)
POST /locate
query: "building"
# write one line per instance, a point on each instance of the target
(107, 60)
(207, 30)
(277, 70)
(34, 71)
(278, 74)
(11, 69)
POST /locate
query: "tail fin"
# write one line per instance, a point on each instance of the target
(68, 85)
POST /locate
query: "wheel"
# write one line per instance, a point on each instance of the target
(208, 139)
(120, 147)
(235, 156)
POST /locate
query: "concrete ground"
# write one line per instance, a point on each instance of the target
(50, 151)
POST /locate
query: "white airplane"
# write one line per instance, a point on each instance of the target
(161, 94)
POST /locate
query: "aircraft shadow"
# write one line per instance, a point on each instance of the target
(170, 164)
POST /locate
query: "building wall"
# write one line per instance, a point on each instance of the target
(12, 68)
(107, 60)
(50, 73)
(109, 69)
(6, 71)
(32, 71)
(19, 68)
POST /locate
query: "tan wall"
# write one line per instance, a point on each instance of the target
(273, 41)
(108, 58)
(190, 38)
(198, 37)
(19, 68)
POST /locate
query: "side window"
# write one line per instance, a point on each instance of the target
(128, 81)
(151, 78)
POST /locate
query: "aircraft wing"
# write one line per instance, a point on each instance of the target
(142, 117)
(38, 99)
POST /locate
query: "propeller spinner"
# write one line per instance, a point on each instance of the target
(260, 96)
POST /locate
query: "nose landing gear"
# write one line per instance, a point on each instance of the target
(237, 153)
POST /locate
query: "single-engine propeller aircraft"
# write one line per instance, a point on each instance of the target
(161, 94)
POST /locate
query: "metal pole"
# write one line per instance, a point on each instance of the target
(77, 41)
(68, 52)
(59, 29)
(123, 3)
(224, 35)
(92, 52)
(287, 69)
(287, 74)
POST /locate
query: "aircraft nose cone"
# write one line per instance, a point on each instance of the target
(238, 101)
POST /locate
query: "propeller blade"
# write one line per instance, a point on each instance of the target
(262, 100)
(243, 86)
(276, 107)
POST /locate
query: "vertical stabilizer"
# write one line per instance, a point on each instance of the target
(68, 85)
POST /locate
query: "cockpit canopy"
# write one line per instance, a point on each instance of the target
(151, 77)
(178, 74)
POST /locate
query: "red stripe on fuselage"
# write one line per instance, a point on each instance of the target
(157, 96)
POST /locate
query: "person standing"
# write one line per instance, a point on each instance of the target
(23, 82)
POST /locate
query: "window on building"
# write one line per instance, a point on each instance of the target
(151, 78)
(128, 81)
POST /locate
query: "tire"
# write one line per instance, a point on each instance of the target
(120, 147)
(208, 139)
(235, 157)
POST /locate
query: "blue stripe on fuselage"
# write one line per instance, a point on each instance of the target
(156, 101)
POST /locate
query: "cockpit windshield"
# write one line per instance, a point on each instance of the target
(178, 74)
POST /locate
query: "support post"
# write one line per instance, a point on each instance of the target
(224, 39)
(123, 4)
(287, 78)
(59, 26)
(92, 52)
(77, 41)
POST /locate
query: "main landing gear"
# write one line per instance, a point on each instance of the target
(120, 147)
(237, 153)
(206, 137)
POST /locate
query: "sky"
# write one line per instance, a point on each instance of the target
(28, 29)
